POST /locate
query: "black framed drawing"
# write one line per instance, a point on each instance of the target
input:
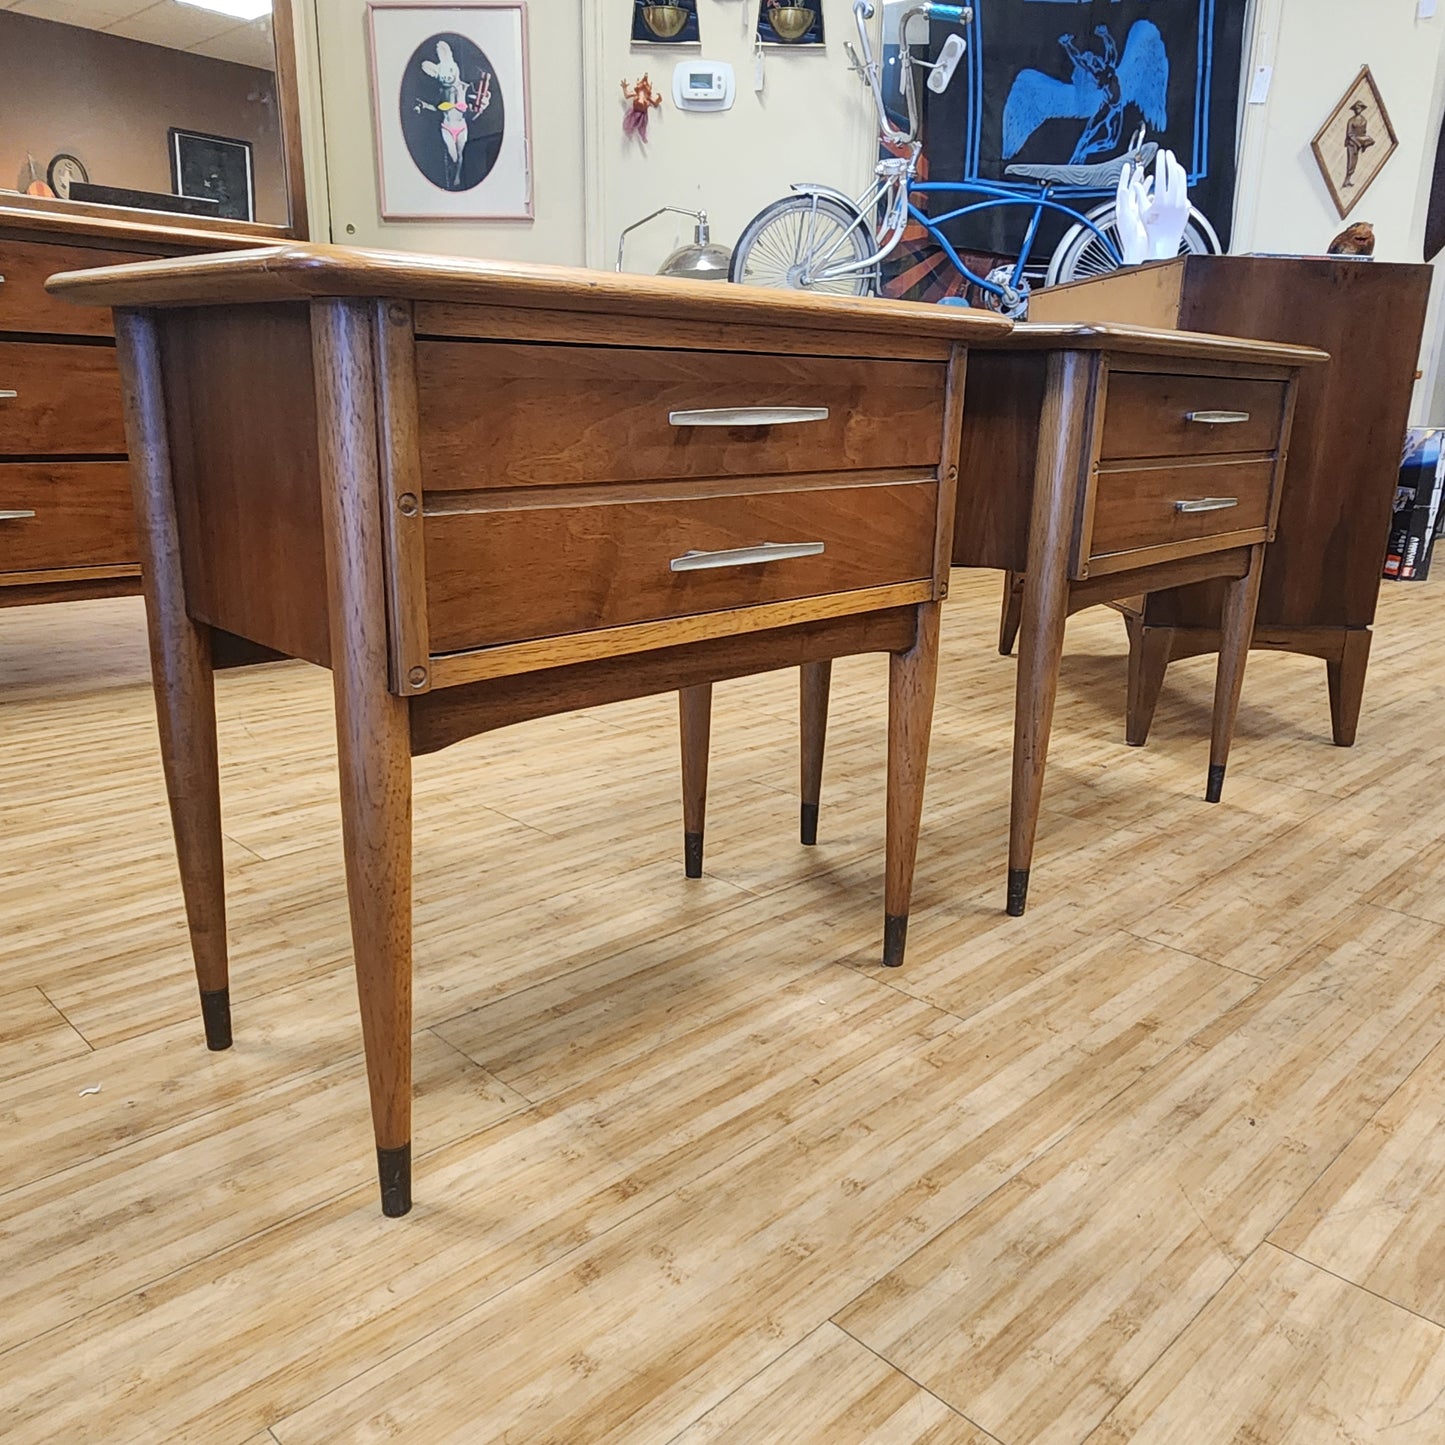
(214, 168)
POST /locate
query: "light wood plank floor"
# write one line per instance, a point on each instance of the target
(1160, 1162)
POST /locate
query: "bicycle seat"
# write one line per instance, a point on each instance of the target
(1095, 177)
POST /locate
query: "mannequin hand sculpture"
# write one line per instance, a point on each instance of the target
(1152, 211)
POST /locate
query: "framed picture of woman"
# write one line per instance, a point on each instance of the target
(449, 97)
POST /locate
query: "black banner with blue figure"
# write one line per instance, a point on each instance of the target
(1068, 83)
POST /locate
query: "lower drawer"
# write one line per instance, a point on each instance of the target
(1139, 508)
(82, 515)
(545, 571)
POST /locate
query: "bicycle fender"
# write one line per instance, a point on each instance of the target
(832, 193)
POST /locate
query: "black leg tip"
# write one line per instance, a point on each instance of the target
(216, 1016)
(692, 854)
(895, 938)
(393, 1168)
(1018, 891)
(808, 829)
(1215, 789)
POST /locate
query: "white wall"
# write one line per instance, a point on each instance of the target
(1317, 48)
(557, 87)
(813, 121)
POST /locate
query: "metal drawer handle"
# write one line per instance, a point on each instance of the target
(748, 416)
(8, 395)
(744, 556)
(1207, 504)
(15, 514)
(1217, 418)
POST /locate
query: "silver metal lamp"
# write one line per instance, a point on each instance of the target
(703, 260)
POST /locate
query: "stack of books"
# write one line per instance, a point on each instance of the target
(1419, 517)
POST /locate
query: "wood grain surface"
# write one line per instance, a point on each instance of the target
(83, 515)
(66, 402)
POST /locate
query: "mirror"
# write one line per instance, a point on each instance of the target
(158, 105)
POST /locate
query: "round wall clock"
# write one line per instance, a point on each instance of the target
(62, 171)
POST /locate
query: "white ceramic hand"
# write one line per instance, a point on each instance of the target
(1166, 212)
(1131, 203)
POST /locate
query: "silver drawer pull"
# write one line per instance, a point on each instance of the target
(1207, 504)
(1217, 418)
(15, 514)
(748, 416)
(8, 395)
(745, 556)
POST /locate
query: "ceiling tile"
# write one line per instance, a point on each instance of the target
(248, 44)
(87, 14)
(176, 26)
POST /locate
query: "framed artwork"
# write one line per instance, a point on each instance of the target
(1355, 142)
(790, 22)
(214, 168)
(673, 23)
(449, 97)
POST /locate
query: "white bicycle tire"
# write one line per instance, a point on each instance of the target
(763, 247)
(1079, 255)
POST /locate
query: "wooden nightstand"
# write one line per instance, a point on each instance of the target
(482, 494)
(1099, 462)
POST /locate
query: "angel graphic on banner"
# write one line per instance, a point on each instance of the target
(1103, 84)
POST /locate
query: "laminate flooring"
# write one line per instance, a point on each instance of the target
(1160, 1162)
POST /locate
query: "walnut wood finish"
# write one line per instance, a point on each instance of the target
(1149, 416)
(291, 470)
(25, 305)
(372, 730)
(1241, 599)
(596, 414)
(507, 575)
(67, 401)
(1097, 530)
(695, 720)
(1323, 568)
(814, 681)
(181, 666)
(1135, 508)
(82, 518)
(60, 359)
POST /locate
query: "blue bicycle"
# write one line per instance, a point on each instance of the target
(821, 239)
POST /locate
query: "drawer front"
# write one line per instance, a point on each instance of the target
(67, 400)
(24, 304)
(1150, 416)
(547, 571)
(1146, 507)
(82, 515)
(502, 415)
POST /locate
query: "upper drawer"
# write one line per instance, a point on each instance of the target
(82, 515)
(503, 415)
(24, 303)
(544, 571)
(67, 399)
(1181, 416)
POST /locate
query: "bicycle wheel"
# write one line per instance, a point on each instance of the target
(1081, 254)
(779, 242)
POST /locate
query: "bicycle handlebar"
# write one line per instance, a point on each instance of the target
(956, 13)
(863, 12)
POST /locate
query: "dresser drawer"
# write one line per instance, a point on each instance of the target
(67, 400)
(502, 415)
(82, 515)
(1182, 416)
(24, 303)
(1144, 507)
(546, 571)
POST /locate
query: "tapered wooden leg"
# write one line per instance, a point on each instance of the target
(694, 705)
(181, 671)
(1012, 614)
(1236, 632)
(372, 730)
(1347, 685)
(1149, 651)
(1058, 476)
(815, 678)
(912, 678)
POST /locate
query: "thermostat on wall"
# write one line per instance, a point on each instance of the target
(703, 85)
